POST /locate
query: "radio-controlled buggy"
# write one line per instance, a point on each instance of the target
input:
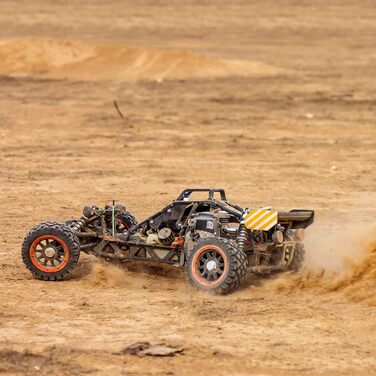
(214, 240)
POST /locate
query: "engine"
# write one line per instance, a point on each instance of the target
(216, 223)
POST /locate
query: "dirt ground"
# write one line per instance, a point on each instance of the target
(273, 100)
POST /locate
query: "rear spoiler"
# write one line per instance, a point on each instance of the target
(299, 218)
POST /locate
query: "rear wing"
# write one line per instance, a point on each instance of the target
(299, 218)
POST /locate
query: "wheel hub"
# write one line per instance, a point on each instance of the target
(50, 252)
(211, 265)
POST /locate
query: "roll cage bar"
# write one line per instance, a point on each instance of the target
(222, 204)
(187, 192)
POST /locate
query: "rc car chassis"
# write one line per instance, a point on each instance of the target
(216, 241)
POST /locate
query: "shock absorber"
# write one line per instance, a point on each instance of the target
(242, 237)
(79, 223)
(88, 213)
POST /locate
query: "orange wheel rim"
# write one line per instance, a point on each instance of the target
(49, 253)
(209, 266)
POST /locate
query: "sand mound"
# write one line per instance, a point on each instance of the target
(357, 281)
(82, 61)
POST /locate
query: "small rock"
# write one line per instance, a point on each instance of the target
(135, 348)
(309, 115)
(146, 349)
(161, 350)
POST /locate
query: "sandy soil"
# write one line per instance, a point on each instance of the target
(274, 101)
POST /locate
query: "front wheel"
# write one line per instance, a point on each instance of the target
(216, 265)
(50, 251)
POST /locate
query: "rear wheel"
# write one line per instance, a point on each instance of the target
(298, 257)
(50, 251)
(215, 264)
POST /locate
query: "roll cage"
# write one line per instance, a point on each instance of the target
(177, 214)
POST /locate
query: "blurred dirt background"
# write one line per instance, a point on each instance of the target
(272, 100)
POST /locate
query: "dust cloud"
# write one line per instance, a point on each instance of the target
(337, 261)
(105, 275)
(341, 261)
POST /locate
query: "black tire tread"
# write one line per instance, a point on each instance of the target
(297, 261)
(238, 264)
(129, 219)
(58, 229)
